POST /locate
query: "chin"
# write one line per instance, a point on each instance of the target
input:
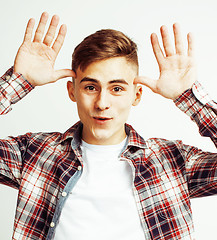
(103, 136)
(100, 134)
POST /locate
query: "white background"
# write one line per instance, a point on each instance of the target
(49, 109)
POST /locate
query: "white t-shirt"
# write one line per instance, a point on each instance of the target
(101, 206)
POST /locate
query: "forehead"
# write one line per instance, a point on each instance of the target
(109, 69)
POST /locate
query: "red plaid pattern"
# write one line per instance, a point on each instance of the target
(166, 173)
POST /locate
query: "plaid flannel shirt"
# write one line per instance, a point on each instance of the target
(44, 167)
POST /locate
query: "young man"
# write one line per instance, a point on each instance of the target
(100, 179)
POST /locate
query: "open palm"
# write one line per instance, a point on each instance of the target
(177, 70)
(35, 59)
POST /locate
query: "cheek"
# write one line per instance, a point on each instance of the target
(83, 104)
(123, 105)
(128, 99)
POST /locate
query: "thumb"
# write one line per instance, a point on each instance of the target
(63, 73)
(148, 82)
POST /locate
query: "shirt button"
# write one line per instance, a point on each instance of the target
(192, 161)
(52, 224)
(7, 77)
(79, 168)
(64, 194)
(147, 151)
(163, 178)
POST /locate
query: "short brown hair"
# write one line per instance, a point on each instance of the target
(101, 45)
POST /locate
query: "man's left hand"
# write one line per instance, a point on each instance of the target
(177, 69)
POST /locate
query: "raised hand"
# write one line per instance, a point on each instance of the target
(35, 59)
(177, 69)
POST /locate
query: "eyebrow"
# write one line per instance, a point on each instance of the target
(87, 79)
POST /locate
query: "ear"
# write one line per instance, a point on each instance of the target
(138, 95)
(71, 90)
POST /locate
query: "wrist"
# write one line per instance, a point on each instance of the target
(23, 77)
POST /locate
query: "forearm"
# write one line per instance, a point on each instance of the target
(13, 87)
(197, 104)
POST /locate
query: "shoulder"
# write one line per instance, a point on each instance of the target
(36, 139)
(43, 138)
(156, 143)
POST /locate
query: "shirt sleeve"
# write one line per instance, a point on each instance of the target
(12, 151)
(13, 87)
(197, 104)
(201, 167)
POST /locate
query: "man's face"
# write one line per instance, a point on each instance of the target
(104, 94)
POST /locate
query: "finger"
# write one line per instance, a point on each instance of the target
(29, 30)
(59, 39)
(41, 26)
(49, 37)
(157, 49)
(63, 73)
(178, 40)
(190, 45)
(166, 41)
(148, 82)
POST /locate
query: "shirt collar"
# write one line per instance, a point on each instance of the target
(74, 133)
(134, 139)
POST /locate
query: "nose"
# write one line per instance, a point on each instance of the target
(102, 101)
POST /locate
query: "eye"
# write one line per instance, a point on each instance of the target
(90, 88)
(117, 89)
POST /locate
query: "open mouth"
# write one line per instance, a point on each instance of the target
(102, 119)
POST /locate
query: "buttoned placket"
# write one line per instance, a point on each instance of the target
(63, 197)
(65, 193)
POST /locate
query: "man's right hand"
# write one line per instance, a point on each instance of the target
(35, 59)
